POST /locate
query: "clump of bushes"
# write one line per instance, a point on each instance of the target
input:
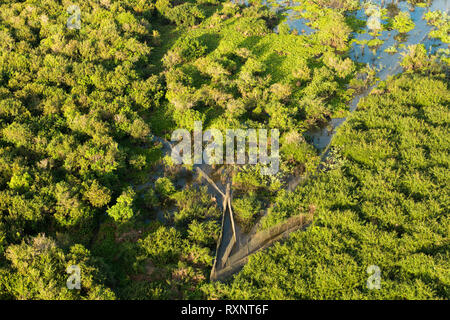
(333, 30)
(297, 152)
(185, 14)
(415, 58)
(343, 67)
(165, 188)
(382, 204)
(249, 178)
(246, 209)
(194, 204)
(204, 233)
(441, 20)
(250, 26)
(123, 211)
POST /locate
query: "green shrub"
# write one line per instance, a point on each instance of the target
(246, 210)
(193, 203)
(295, 150)
(164, 187)
(284, 29)
(186, 14)
(250, 26)
(190, 48)
(151, 198)
(204, 233)
(123, 209)
(415, 57)
(441, 21)
(403, 22)
(163, 246)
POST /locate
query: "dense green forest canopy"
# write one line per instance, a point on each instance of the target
(79, 107)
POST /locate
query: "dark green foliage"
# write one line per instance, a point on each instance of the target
(193, 204)
(184, 14)
(246, 210)
(190, 48)
(204, 233)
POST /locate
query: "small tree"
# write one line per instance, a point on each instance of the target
(164, 188)
(123, 209)
(97, 195)
(403, 23)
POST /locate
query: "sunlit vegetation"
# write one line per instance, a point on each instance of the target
(402, 22)
(441, 21)
(83, 180)
(381, 200)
